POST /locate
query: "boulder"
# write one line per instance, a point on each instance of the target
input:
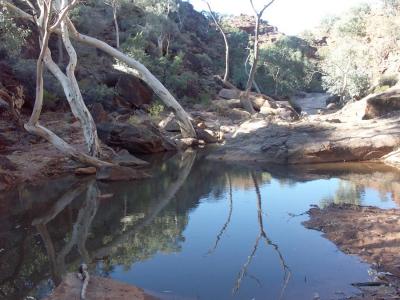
(331, 106)
(280, 109)
(382, 104)
(229, 94)
(237, 114)
(227, 104)
(333, 99)
(133, 90)
(119, 173)
(170, 124)
(258, 102)
(124, 158)
(99, 114)
(141, 138)
(207, 136)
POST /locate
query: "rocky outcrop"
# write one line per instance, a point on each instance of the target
(231, 106)
(311, 141)
(382, 104)
(140, 138)
(229, 94)
(371, 107)
(246, 23)
(133, 91)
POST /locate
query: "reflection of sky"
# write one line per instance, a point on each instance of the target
(317, 266)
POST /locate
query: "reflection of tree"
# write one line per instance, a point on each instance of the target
(129, 237)
(347, 193)
(228, 220)
(268, 242)
(80, 229)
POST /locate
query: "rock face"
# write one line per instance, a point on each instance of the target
(371, 107)
(247, 24)
(229, 94)
(136, 139)
(99, 114)
(312, 141)
(133, 90)
(382, 104)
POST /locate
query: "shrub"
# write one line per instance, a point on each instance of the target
(12, 37)
(389, 80)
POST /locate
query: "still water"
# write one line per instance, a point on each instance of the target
(196, 230)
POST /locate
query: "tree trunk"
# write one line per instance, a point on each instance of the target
(247, 73)
(255, 57)
(227, 58)
(144, 74)
(82, 113)
(116, 25)
(139, 70)
(245, 98)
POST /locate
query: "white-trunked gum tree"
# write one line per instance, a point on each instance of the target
(52, 17)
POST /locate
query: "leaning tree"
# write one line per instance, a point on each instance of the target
(219, 26)
(52, 17)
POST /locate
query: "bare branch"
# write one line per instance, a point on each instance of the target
(266, 6)
(63, 14)
(225, 40)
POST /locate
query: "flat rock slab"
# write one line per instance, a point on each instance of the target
(369, 232)
(311, 141)
(98, 289)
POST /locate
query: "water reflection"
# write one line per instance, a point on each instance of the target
(193, 218)
(262, 236)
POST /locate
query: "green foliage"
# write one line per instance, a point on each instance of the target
(156, 109)
(100, 93)
(12, 37)
(354, 22)
(239, 41)
(345, 69)
(286, 67)
(389, 80)
(359, 43)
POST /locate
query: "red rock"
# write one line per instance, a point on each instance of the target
(98, 289)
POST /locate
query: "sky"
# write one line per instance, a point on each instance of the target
(290, 16)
